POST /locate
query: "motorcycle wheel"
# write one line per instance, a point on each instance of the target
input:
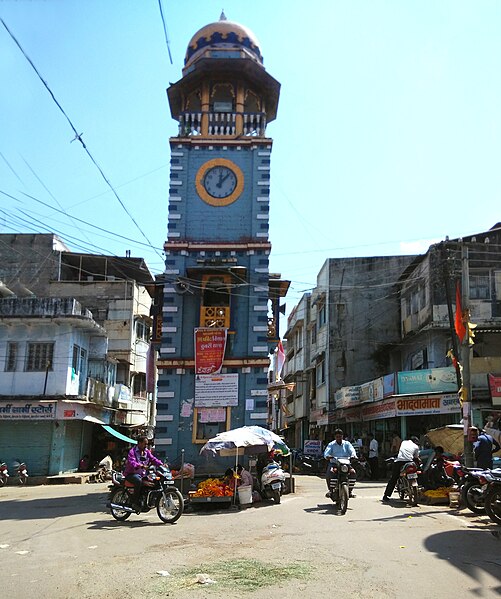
(413, 492)
(171, 510)
(401, 490)
(468, 496)
(493, 504)
(276, 496)
(122, 497)
(2, 481)
(22, 479)
(342, 504)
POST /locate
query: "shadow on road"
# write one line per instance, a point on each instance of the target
(324, 509)
(52, 507)
(460, 548)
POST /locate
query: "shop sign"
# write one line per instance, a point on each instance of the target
(315, 415)
(389, 385)
(495, 385)
(210, 345)
(312, 447)
(432, 380)
(18, 410)
(379, 411)
(367, 392)
(435, 404)
(349, 415)
(378, 388)
(323, 420)
(216, 390)
(347, 396)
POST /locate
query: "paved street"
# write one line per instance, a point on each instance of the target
(59, 541)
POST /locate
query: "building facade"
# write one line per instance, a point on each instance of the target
(220, 301)
(104, 303)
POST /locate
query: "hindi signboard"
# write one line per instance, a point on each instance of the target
(216, 390)
(210, 345)
(20, 410)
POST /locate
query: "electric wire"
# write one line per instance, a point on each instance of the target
(77, 135)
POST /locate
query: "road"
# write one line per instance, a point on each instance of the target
(60, 542)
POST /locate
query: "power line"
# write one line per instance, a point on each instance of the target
(77, 135)
(165, 30)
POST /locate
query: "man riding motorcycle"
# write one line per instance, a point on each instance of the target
(339, 448)
(136, 465)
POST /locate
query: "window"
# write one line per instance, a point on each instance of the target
(142, 330)
(208, 422)
(321, 315)
(480, 286)
(79, 357)
(320, 370)
(39, 357)
(314, 333)
(11, 362)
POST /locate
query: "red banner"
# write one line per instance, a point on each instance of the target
(495, 385)
(210, 345)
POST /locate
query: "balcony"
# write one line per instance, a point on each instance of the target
(217, 317)
(99, 393)
(42, 307)
(222, 124)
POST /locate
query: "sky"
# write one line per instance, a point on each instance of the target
(387, 138)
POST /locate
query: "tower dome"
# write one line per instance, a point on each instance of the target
(222, 35)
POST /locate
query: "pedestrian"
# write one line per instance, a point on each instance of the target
(396, 441)
(408, 452)
(484, 447)
(373, 456)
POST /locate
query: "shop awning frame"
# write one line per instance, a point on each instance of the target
(118, 435)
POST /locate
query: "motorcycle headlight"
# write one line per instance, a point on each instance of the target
(344, 468)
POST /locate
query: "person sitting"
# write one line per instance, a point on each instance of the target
(138, 460)
(245, 476)
(339, 448)
(435, 475)
(83, 464)
(229, 478)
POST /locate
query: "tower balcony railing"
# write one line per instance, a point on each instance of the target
(217, 317)
(225, 124)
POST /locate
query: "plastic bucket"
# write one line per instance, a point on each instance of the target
(245, 494)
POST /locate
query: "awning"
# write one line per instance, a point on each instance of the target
(118, 435)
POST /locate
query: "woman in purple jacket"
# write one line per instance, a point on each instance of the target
(138, 460)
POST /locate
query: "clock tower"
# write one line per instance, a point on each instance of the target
(219, 315)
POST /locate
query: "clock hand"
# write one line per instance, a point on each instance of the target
(224, 178)
(220, 182)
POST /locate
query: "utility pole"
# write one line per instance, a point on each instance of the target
(465, 358)
(446, 279)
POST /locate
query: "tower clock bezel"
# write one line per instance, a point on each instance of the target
(200, 182)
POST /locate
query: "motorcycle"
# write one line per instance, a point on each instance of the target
(472, 492)
(493, 494)
(339, 482)
(363, 468)
(272, 482)
(104, 469)
(407, 483)
(157, 491)
(4, 474)
(22, 473)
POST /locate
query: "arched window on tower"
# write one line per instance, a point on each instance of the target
(191, 123)
(222, 109)
(253, 118)
(215, 308)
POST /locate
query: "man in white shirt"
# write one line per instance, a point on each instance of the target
(408, 452)
(373, 456)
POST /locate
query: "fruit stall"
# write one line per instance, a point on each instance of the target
(212, 490)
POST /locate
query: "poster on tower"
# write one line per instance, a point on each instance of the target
(216, 390)
(210, 345)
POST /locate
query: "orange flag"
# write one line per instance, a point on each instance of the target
(458, 322)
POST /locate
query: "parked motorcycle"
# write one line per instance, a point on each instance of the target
(407, 483)
(104, 469)
(472, 492)
(363, 468)
(22, 473)
(339, 482)
(4, 474)
(493, 494)
(272, 482)
(157, 491)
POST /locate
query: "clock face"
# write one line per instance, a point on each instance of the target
(220, 182)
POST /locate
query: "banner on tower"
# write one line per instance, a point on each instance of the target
(212, 391)
(210, 345)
